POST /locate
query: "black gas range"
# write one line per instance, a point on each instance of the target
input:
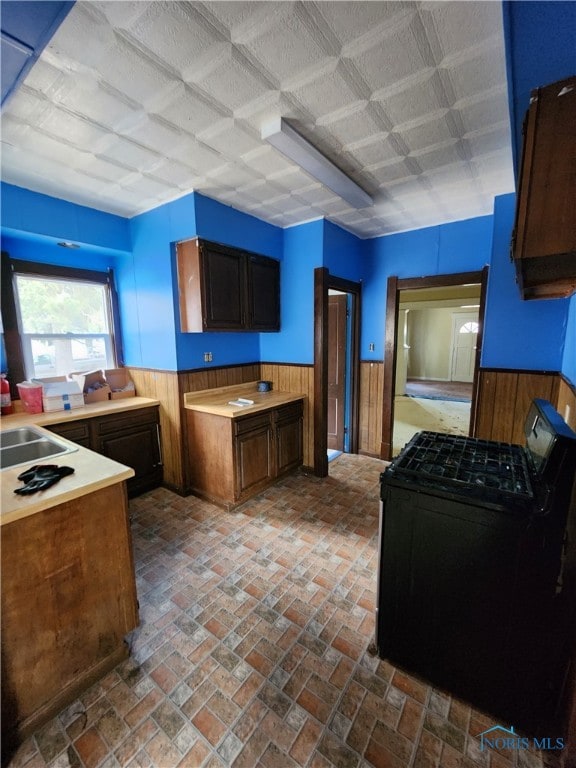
(470, 585)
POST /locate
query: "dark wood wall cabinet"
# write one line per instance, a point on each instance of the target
(230, 460)
(544, 238)
(131, 438)
(226, 289)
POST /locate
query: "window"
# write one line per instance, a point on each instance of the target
(64, 319)
(470, 327)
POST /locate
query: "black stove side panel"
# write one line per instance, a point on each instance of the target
(455, 602)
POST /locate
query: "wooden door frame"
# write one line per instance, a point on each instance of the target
(323, 281)
(394, 286)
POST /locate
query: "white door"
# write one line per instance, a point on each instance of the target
(464, 338)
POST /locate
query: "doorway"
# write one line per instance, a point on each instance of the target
(401, 298)
(338, 372)
(336, 366)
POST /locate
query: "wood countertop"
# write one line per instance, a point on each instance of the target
(217, 401)
(92, 470)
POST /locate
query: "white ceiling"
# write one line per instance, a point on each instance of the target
(133, 104)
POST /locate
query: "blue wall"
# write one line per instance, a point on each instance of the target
(461, 246)
(540, 40)
(518, 334)
(222, 224)
(569, 357)
(302, 253)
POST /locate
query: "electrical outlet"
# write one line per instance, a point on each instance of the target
(207, 357)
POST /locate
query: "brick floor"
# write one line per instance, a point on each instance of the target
(252, 648)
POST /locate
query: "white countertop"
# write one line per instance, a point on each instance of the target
(92, 471)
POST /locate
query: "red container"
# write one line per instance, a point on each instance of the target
(7, 407)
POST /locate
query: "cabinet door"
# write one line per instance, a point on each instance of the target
(224, 288)
(76, 431)
(133, 439)
(288, 438)
(253, 454)
(264, 293)
(544, 242)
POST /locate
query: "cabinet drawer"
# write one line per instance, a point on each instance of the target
(77, 431)
(249, 423)
(109, 424)
(288, 412)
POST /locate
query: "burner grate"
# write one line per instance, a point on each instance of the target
(468, 462)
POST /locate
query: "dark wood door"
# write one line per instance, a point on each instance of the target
(336, 370)
(264, 293)
(224, 288)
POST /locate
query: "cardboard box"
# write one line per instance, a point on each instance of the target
(93, 384)
(121, 385)
(62, 396)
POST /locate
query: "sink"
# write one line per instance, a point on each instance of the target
(27, 444)
(18, 436)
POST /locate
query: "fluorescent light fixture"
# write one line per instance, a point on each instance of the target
(469, 306)
(295, 147)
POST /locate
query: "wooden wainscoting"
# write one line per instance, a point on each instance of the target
(163, 386)
(371, 398)
(287, 377)
(566, 404)
(504, 398)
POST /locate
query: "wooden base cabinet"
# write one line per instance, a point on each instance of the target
(129, 437)
(68, 600)
(230, 460)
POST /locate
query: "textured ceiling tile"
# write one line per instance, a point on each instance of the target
(385, 174)
(246, 18)
(482, 72)
(489, 140)
(439, 156)
(316, 194)
(230, 139)
(267, 161)
(153, 133)
(96, 102)
(190, 111)
(233, 175)
(376, 150)
(165, 97)
(327, 94)
(351, 21)
(128, 71)
(460, 25)
(129, 154)
(397, 57)
(427, 134)
(105, 170)
(413, 102)
(175, 33)
(355, 127)
(232, 81)
(286, 48)
(483, 112)
(73, 130)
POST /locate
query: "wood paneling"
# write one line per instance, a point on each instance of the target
(504, 398)
(566, 402)
(163, 386)
(300, 379)
(169, 387)
(371, 389)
